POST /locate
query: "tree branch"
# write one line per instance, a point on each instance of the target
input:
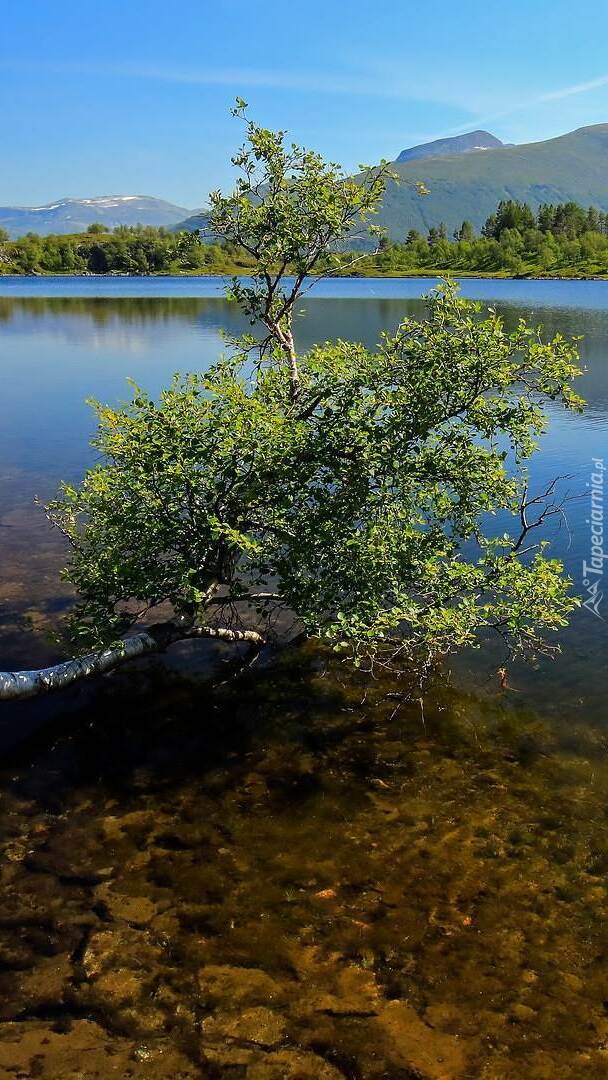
(16, 685)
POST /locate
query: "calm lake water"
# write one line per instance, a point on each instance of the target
(405, 892)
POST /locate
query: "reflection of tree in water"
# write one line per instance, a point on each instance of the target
(103, 311)
(357, 319)
(354, 318)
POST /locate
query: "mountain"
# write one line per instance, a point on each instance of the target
(197, 219)
(463, 183)
(460, 144)
(466, 184)
(74, 215)
(470, 185)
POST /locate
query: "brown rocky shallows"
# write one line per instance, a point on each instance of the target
(397, 902)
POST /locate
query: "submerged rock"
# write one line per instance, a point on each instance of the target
(259, 1026)
(44, 986)
(412, 1044)
(120, 947)
(85, 1051)
(138, 910)
(356, 994)
(235, 987)
(450, 926)
(136, 824)
(120, 986)
(234, 1058)
(293, 1065)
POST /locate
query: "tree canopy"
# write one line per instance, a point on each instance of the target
(344, 489)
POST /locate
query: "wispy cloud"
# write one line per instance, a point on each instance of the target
(386, 81)
(240, 78)
(528, 103)
(570, 91)
(548, 96)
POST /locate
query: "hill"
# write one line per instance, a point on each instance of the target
(459, 144)
(198, 219)
(572, 167)
(68, 216)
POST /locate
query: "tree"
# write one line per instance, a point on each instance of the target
(290, 209)
(594, 221)
(340, 489)
(96, 228)
(27, 252)
(465, 232)
(570, 220)
(510, 214)
(546, 217)
(188, 249)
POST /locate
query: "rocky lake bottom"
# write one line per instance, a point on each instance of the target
(301, 877)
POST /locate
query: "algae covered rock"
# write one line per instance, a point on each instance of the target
(85, 1051)
(44, 986)
(412, 1044)
(354, 993)
(120, 947)
(138, 910)
(258, 1026)
(236, 987)
(293, 1065)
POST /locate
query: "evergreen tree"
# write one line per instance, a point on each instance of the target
(510, 214)
(465, 232)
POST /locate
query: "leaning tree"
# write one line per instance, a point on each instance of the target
(342, 490)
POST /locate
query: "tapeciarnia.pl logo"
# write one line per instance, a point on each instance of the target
(593, 571)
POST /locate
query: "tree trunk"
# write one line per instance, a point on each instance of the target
(286, 342)
(15, 685)
(294, 372)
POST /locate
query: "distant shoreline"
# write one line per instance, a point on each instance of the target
(497, 275)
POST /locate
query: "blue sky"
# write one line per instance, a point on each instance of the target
(133, 97)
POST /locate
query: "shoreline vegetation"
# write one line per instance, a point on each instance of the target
(563, 242)
(371, 274)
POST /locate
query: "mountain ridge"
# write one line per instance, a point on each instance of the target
(467, 143)
(71, 215)
(469, 185)
(567, 168)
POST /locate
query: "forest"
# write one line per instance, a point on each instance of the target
(136, 249)
(562, 240)
(558, 240)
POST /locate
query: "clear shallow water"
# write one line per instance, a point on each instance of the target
(399, 879)
(56, 351)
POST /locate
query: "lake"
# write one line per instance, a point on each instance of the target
(386, 878)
